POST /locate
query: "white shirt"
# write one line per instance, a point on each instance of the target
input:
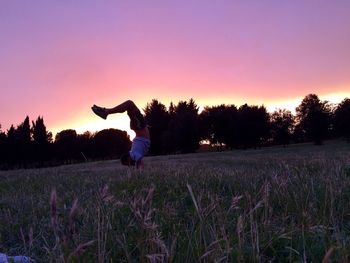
(139, 148)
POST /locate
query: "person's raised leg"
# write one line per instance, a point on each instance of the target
(128, 106)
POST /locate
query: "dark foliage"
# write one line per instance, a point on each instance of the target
(314, 118)
(158, 119)
(66, 145)
(3, 146)
(282, 123)
(253, 126)
(219, 126)
(184, 127)
(111, 143)
(342, 119)
(178, 129)
(27, 146)
(42, 140)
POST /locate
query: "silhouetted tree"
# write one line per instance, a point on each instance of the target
(342, 119)
(66, 146)
(3, 148)
(219, 125)
(313, 117)
(111, 143)
(184, 127)
(22, 142)
(10, 146)
(23, 131)
(253, 125)
(41, 140)
(282, 123)
(157, 118)
(178, 129)
(168, 136)
(86, 145)
(209, 126)
(171, 110)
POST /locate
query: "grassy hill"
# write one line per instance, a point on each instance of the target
(273, 204)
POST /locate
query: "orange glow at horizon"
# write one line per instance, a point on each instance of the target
(86, 120)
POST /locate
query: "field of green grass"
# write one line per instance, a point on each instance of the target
(267, 205)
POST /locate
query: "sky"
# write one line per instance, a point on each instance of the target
(59, 57)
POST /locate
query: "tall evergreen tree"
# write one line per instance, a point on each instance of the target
(23, 132)
(41, 140)
(40, 133)
(157, 118)
(23, 142)
(11, 146)
(3, 147)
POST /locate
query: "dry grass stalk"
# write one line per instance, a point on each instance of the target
(80, 250)
(327, 256)
(53, 205)
(105, 194)
(234, 202)
(72, 215)
(150, 243)
(195, 202)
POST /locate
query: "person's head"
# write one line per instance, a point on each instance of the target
(127, 160)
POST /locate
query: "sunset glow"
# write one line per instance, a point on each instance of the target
(60, 58)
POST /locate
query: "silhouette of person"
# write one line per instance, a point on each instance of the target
(141, 143)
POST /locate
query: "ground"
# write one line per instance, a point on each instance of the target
(274, 204)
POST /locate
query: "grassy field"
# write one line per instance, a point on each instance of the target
(269, 205)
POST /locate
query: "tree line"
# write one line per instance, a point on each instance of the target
(33, 146)
(180, 128)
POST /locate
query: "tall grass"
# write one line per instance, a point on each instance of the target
(270, 205)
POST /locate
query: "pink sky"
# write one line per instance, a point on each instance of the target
(60, 57)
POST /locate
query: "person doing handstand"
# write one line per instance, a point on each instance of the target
(141, 143)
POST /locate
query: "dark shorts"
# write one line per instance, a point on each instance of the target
(137, 121)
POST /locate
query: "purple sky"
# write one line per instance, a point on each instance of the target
(57, 58)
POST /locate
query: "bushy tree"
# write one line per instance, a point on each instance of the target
(219, 125)
(282, 123)
(86, 145)
(184, 127)
(313, 116)
(111, 143)
(342, 119)
(66, 145)
(253, 125)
